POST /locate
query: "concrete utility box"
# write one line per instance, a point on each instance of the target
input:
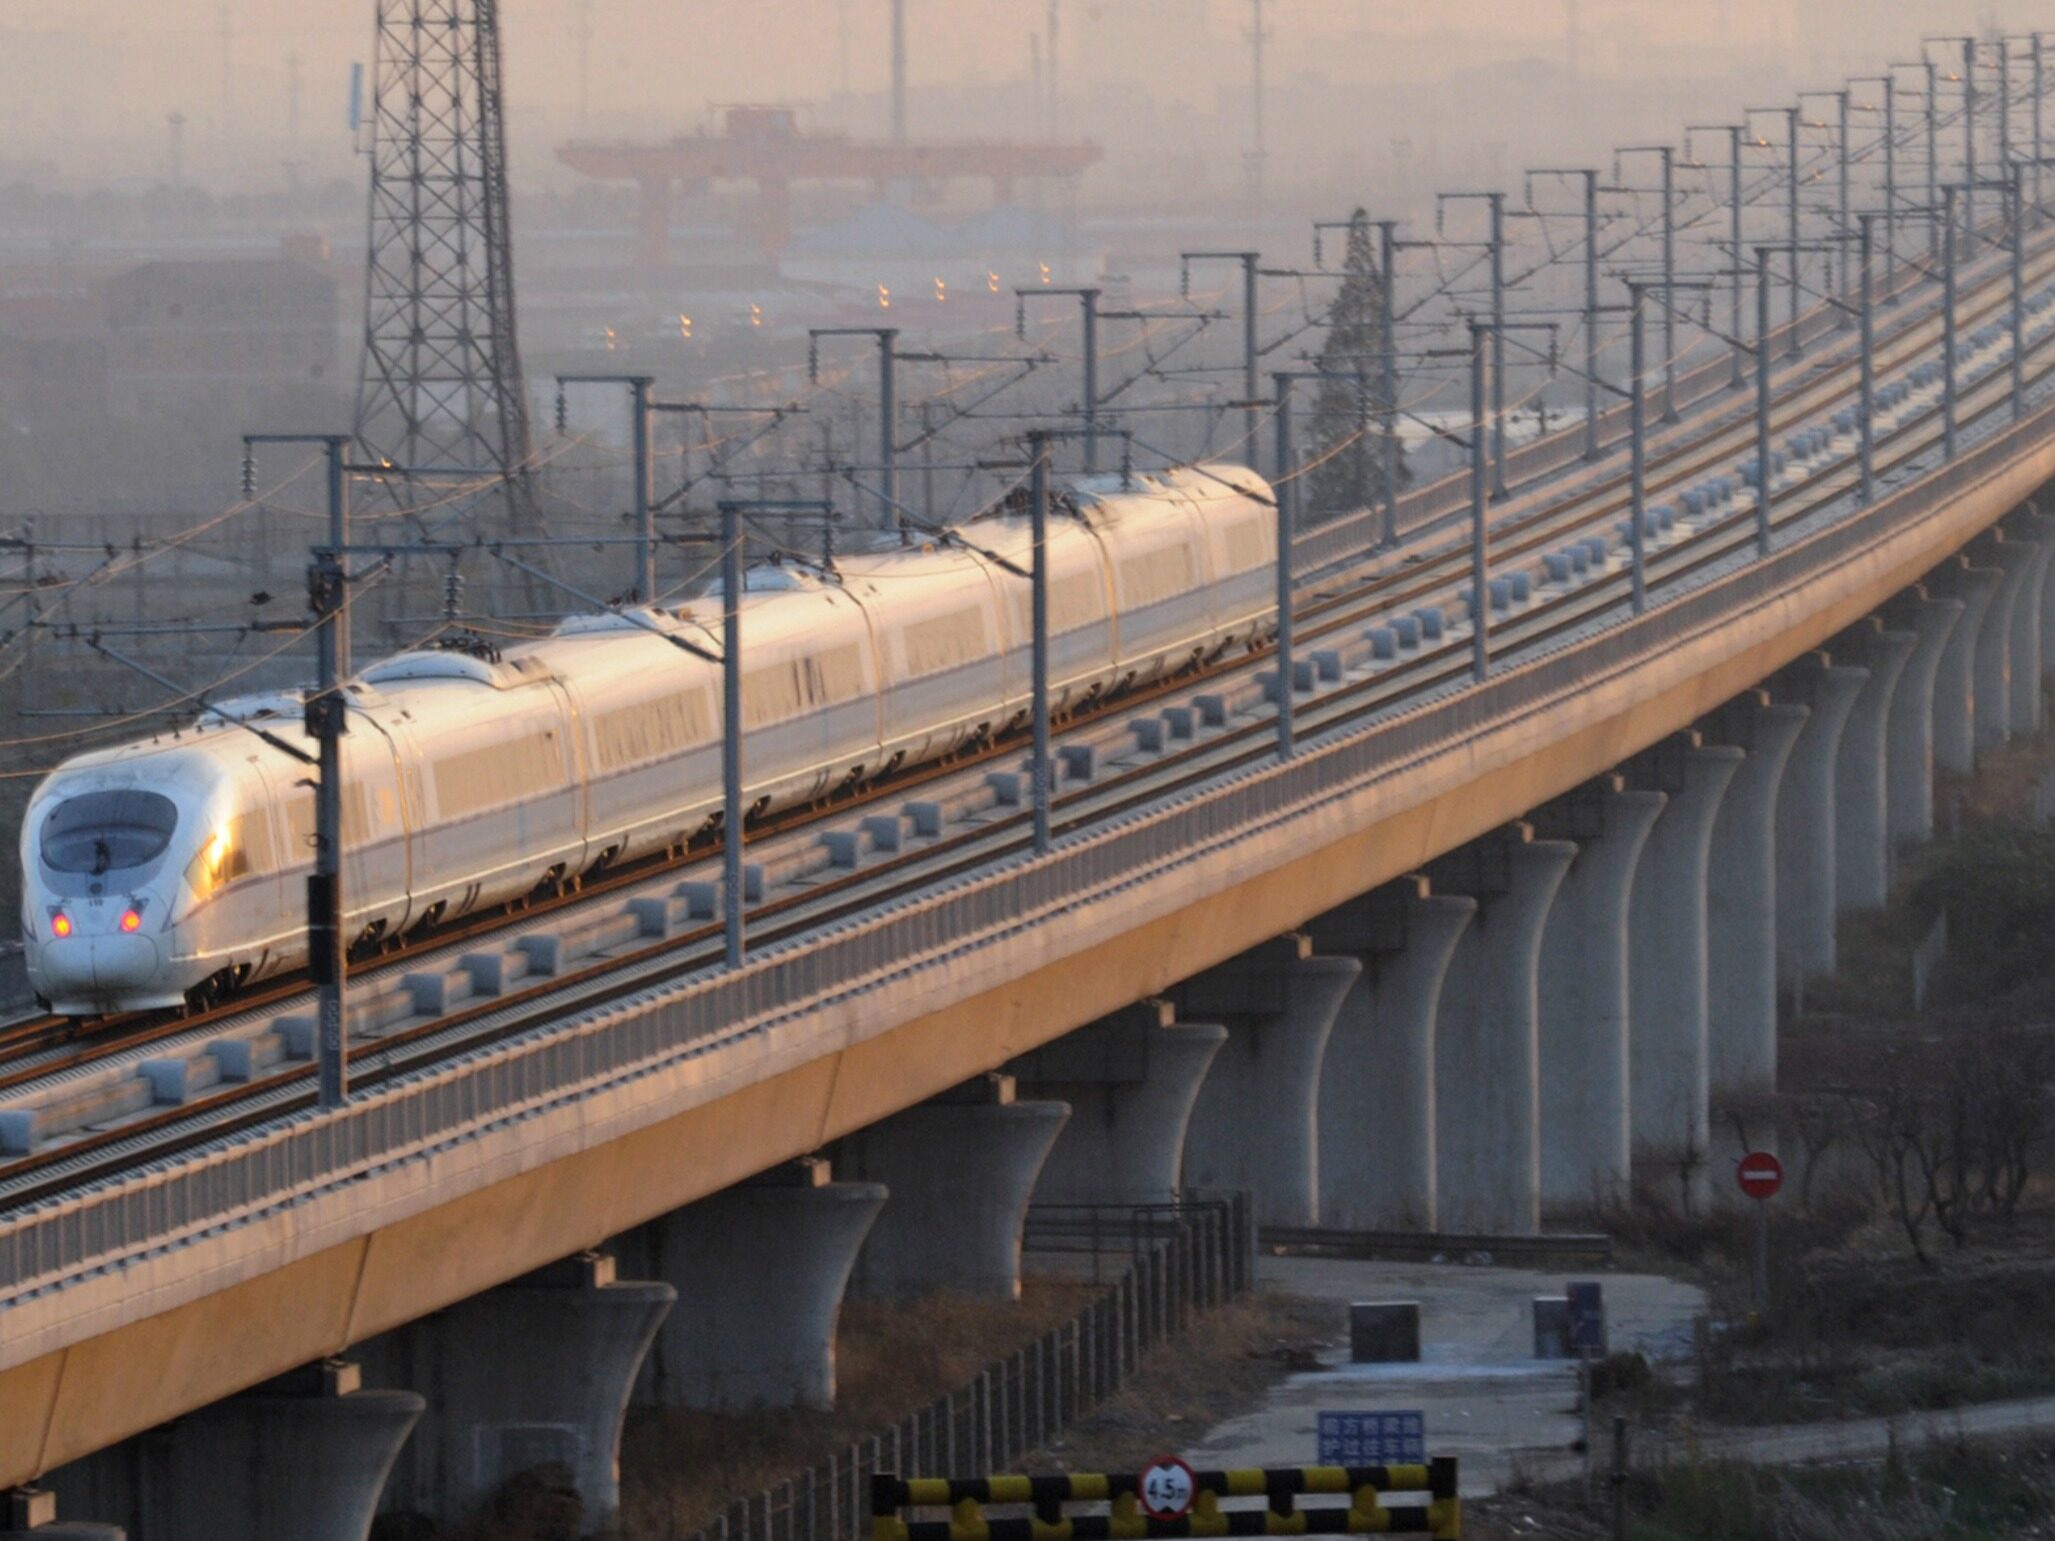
(1552, 1327)
(1384, 1332)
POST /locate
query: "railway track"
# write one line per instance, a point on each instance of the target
(1238, 744)
(34, 1049)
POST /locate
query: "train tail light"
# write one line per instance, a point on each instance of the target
(60, 925)
(131, 920)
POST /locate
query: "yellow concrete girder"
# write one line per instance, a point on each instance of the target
(74, 1401)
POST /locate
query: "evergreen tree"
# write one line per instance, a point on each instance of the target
(1349, 402)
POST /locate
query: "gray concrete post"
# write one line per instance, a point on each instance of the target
(1377, 1084)
(760, 1271)
(1586, 1152)
(1862, 853)
(1131, 1080)
(301, 1458)
(1909, 740)
(1741, 897)
(1955, 689)
(1256, 1122)
(1805, 815)
(961, 1169)
(1487, 1087)
(2027, 644)
(1667, 974)
(2016, 560)
(536, 1374)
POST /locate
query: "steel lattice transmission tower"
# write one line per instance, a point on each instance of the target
(441, 384)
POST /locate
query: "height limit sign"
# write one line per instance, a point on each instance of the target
(1168, 1488)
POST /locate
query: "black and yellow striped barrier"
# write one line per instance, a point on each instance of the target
(1125, 1520)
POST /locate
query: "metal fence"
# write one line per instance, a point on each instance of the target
(1186, 1257)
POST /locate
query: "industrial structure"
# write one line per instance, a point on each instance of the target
(441, 389)
(766, 148)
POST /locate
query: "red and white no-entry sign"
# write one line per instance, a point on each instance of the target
(1759, 1174)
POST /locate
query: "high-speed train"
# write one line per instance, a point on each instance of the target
(173, 869)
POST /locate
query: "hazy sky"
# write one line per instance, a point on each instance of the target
(89, 82)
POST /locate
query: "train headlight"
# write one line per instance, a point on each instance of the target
(131, 920)
(60, 924)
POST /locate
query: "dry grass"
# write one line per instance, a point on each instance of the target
(1220, 1369)
(678, 1468)
(1960, 1492)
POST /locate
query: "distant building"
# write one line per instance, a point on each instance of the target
(241, 336)
(53, 358)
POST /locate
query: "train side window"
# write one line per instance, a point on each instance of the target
(835, 675)
(770, 694)
(631, 735)
(945, 641)
(1154, 576)
(496, 774)
(249, 843)
(1247, 546)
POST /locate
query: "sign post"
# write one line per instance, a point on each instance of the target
(1587, 1339)
(1759, 1175)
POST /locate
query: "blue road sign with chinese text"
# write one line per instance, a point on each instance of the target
(1373, 1439)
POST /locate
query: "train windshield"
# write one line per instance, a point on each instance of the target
(99, 832)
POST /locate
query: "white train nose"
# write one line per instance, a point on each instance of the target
(95, 966)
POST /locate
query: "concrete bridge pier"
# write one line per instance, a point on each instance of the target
(1487, 1086)
(961, 1169)
(1806, 822)
(2015, 561)
(2043, 526)
(760, 1270)
(304, 1457)
(1376, 1111)
(2030, 526)
(1132, 1080)
(1909, 740)
(1741, 897)
(1862, 852)
(1256, 1122)
(1586, 1145)
(1667, 937)
(535, 1375)
(1955, 685)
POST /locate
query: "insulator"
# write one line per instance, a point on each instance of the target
(813, 361)
(1318, 262)
(1020, 319)
(249, 472)
(1184, 280)
(563, 412)
(452, 593)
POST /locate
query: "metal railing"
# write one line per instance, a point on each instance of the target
(1187, 1257)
